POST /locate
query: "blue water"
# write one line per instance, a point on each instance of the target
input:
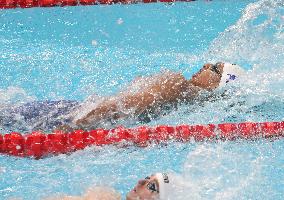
(73, 52)
(49, 52)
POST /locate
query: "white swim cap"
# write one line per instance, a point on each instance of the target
(230, 73)
(165, 185)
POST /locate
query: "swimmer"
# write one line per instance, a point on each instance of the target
(96, 193)
(151, 188)
(149, 95)
(160, 186)
(144, 99)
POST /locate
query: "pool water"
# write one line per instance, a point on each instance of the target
(73, 52)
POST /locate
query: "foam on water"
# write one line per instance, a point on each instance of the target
(229, 173)
(256, 43)
(14, 95)
(225, 170)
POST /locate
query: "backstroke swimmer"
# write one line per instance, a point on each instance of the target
(159, 186)
(144, 97)
(151, 94)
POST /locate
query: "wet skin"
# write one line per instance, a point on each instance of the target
(142, 192)
(149, 93)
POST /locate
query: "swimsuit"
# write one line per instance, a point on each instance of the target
(37, 115)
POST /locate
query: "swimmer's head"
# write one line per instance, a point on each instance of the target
(231, 72)
(153, 187)
(211, 76)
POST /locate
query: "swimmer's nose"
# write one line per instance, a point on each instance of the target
(139, 184)
(142, 182)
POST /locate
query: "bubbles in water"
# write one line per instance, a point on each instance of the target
(229, 171)
(256, 43)
(211, 171)
(119, 21)
(2, 169)
(94, 42)
(14, 95)
(255, 40)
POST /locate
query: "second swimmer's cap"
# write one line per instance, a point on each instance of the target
(230, 73)
(165, 185)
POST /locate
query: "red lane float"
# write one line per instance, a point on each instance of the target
(39, 145)
(8, 4)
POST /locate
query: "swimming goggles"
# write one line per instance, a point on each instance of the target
(152, 186)
(215, 68)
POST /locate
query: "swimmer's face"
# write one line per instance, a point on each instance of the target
(209, 76)
(145, 189)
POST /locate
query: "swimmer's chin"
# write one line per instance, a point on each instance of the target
(132, 195)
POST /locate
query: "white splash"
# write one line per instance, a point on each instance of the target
(255, 40)
(14, 95)
(218, 172)
(256, 43)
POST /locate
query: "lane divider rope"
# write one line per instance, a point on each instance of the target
(39, 145)
(8, 4)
